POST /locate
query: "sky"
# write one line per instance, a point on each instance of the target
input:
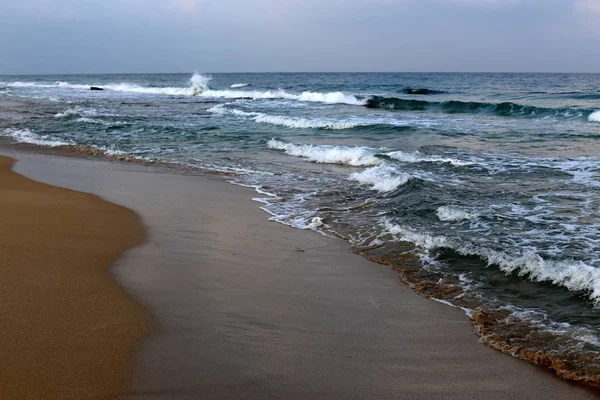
(144, 36)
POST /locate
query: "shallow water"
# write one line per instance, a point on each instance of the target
(491, 180)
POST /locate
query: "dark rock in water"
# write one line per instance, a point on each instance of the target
(95, 88)
(420, 91)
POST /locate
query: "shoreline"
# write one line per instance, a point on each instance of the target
(69, 331)
(248, 307)
(492, 326)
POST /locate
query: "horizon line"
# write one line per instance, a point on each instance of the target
(294, 72)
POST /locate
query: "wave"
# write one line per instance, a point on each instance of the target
(99, 122)
(197, 84)
(26, 136)
(417, 157)
(239, 85)
(29, 137)
(289, 122)
(314, 97)
(76, 112)
(382, 178)
(354, 156)
(594, 117)
(573, 275)
(420, 91)
(292, 122)
(457, 107)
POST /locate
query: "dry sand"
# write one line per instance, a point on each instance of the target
(250, 309)
(67, 330)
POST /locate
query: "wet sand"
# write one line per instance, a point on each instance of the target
(67, 330)
(251, 309)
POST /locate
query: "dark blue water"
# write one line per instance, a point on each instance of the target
(491, 180)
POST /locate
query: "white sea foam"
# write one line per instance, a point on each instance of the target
(27, 136)
(450, 214)
(418, 157)
(197, 85)
(77, 111)
(329, 98)
(294, 122)
(594, 117)
(354, 156)
(289, 122)
(239, 85)
(99, 122)
(315, 223)
(358, 156)
(383, 178)
(571, 274)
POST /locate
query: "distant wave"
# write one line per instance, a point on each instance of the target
(239, 85)
(198, 86)
(314, 97)
(420, 91)
(456, 107)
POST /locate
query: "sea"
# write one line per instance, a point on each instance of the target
(481, 190)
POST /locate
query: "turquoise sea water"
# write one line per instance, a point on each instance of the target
(491, 180)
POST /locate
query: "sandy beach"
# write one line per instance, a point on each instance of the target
(68, 329)
(246, 308)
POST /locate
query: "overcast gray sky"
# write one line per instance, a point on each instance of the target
(111, 36)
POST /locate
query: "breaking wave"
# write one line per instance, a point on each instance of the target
(574, 275)
(314, 97)
(382, 178)
(239, 85)
(29, 137)
(354, 156)
(289, 122)
(198, 83)
(594, 117)
(417, 157)
(292, 122)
